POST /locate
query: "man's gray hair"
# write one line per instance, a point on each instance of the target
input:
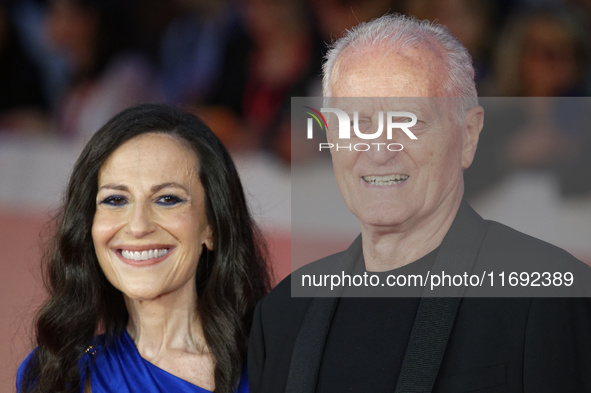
(403, 32)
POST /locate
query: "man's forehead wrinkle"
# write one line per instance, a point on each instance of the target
(385, 49)
(429, 54)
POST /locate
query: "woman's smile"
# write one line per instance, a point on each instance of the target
(145, 256)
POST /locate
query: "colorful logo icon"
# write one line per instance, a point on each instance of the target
(317, 116)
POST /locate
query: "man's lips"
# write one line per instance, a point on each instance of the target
(386, 180)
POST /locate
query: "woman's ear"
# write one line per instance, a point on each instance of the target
(208, 240)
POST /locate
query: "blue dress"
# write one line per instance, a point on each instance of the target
(120, 368)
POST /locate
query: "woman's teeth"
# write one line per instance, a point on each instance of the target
(144, 255)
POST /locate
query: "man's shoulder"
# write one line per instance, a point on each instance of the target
(505, 243)
(531, 264)
(510, 243)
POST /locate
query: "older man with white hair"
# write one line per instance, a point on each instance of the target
(413, 219)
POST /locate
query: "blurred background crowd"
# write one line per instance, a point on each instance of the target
(68, 65)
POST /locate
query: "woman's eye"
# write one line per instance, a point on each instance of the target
(168, 200)
(114, 200)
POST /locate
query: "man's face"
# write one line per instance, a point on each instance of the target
(397, 191)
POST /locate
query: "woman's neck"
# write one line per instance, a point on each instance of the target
(167, 323)
(167, 332)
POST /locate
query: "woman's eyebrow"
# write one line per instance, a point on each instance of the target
(114, 186)
(159, 187)
(154, 188)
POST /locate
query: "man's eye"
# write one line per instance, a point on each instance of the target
(114, 200)
(419, 125)
(168, 200)
(363, 125)
(401, 119)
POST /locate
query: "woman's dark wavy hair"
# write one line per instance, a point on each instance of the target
(82, 302)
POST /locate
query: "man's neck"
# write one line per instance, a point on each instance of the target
(390, 248)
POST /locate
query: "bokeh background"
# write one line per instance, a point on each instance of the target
(66, 66)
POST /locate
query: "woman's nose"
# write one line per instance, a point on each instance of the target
(140, 221)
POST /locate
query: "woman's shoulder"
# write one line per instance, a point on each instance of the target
(94, 348)
(243, 385)
(22, 368)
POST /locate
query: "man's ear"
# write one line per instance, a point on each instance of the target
(473, 122)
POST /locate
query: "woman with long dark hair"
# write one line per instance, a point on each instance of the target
(155, 266)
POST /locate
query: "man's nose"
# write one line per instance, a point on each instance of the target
(382, 148)
(140, 221)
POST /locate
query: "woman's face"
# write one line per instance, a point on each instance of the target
(150, 223)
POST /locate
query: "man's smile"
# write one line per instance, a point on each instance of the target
(387, 180)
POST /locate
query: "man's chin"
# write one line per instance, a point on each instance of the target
(385, 220)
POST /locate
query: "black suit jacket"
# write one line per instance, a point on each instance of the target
(523, 344)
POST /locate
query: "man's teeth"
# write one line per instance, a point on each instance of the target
(385, 180)
(144, 255)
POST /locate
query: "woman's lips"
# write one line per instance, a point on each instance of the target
(144, 257)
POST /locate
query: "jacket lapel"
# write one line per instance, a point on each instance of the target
(309, 344)
(437, 309)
